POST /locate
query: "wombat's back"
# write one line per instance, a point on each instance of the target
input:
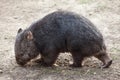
(67, 31)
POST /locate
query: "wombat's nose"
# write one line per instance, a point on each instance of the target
(20, 62)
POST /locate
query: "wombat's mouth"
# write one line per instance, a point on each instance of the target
(21, 62)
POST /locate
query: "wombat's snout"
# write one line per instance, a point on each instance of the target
(20, 62)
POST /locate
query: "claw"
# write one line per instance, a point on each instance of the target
(107, 65)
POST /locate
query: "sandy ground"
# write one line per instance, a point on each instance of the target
(21, 13)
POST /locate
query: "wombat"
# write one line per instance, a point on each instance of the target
(61, 31)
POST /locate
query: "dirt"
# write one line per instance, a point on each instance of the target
(15, 14)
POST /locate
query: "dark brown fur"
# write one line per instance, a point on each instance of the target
(61, 31)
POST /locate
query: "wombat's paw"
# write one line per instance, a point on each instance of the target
(42, 63)
(46, 65)
(39, 61)
(55, 65)
(107, 65)
(75, 65)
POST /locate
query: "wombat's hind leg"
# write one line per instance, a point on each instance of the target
(77, 60)
(103, 56)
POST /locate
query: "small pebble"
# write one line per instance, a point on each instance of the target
(1, 71)
(5, 38)
(15, 17)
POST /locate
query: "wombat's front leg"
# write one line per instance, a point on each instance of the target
(48, 60)
(77, 60)
(40, 60)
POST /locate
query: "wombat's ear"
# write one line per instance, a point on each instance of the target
(20, 30)
(29, 35)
